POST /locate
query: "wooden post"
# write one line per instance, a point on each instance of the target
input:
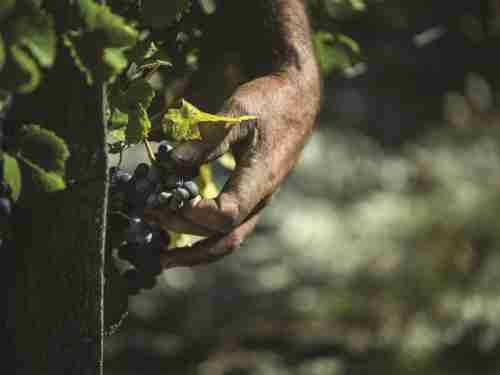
(55, 310)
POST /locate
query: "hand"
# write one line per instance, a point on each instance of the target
(265, 151)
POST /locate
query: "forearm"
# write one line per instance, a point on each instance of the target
(286, 97)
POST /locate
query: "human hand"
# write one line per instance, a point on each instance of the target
(265, 151)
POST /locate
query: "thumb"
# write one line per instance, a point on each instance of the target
(216, 140)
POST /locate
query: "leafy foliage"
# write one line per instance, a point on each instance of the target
(38, 179)
(183, 123)
(12, 175)
(335, 51)
(45, 148)
(21, 74)
(34, 30)
(138, 125)
(159, 14)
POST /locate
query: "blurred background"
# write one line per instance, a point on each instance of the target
(379, 255)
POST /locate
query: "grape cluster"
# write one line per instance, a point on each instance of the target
(150, 186)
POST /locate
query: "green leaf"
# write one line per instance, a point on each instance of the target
(349, 42)
(96, 63)
(20, 74)
(118, 120)
(2, 52)
(140, 92)
(38, 179)
(334, 51)
(6, 7)
(161, 13)
(44, 148)
(12, 175)
(114, 62)
(183, 123)
(34, 30)
(138, 125)
(142, 50)
(358, 5)
(115, 29)
(146, 69)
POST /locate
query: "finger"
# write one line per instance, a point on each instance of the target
(216, 140)
(250, 185)
(170, 220)
(209, 250)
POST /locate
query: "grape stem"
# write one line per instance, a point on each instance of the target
(150, 152)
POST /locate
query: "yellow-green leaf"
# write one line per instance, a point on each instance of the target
(2, 52)
(117, 32)
(44, 148)
(138, 125)
(182, 123)
(40, 180)
(140, 92)
(34, 30)
(12, 175)
(20, 74)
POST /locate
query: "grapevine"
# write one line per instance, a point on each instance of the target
(122, 45)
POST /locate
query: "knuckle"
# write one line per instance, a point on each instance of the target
(231, 213)
(234, 242)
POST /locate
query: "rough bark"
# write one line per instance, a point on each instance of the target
(55, 310)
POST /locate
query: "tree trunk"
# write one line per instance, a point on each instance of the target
(55, 310)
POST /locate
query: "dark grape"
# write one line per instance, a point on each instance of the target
(137, 232)
(164, 148)
(164, 197)
(172, 181)
(175, 204)
(143, 185)
(181, 194)
(192, 187)
(122, 177)
(5, 190)
(5, 207)
(141, 171)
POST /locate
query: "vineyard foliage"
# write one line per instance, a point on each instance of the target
(117, 45)
(125, 45)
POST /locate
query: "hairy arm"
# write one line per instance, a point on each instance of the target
(273, 38)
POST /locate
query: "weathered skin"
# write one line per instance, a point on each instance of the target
(284, 94)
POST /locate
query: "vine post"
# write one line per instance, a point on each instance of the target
(56, 310)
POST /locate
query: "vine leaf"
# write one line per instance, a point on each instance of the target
(2, 52)
(96, 63)
(142, 50)
(140, 92)
(183, 123)
(38, 179)
(113, 28)
(118, 121)
(21, 73)
(44, 148)
(138, 125)
(335, 51)
(12, 175)
(161, 13)
(34, 30)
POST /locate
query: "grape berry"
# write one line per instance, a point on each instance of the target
(156, 186)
